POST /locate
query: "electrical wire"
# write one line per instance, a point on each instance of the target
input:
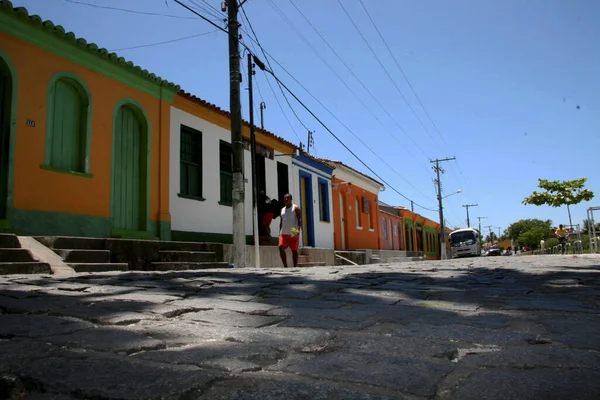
(308, 109)
(165, 42)
(127, 10)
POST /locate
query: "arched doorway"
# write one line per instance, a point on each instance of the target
(129, 210)
(6, 112)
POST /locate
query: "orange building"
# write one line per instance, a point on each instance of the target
(390, 223)
(84, 136)
(355, 199)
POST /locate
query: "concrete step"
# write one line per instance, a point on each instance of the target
(182, 266)
(184, 246)
(34, 267)
(9, 241)
(98, 267)
(15, 255)
(79, 256)
(186, 256)
(311, 264)
(78, 243)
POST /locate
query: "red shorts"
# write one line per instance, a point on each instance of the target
(289, 241)
(268, 218)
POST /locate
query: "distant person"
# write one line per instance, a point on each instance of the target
(272, 211)
(289, 230)
(562, 234)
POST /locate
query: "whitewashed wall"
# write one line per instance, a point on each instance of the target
(323, 230)
(209, 216)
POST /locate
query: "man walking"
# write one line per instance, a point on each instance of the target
(289, 230)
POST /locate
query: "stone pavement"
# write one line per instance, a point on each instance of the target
(485, 328)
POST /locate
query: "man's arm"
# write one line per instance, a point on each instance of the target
(280, 221)
(299, 217)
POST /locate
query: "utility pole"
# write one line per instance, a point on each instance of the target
(310, 142)
(490, 228)
(437, 169)
(480, 218)
(253, 157)
(237, 145)
(412, 206)
(467, 207)
(262, 117)
(498, 233)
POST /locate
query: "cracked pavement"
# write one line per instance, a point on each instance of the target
(480, 328)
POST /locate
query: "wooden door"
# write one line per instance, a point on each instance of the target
(129, 172)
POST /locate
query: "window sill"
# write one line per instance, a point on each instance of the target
(189, 197)
(371, 230)
(359, 228)
(324, 221)
(62, 171)
(222, 203)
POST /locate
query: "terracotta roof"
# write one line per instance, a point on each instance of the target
(57, 30)
(227, 114)
(333, 162)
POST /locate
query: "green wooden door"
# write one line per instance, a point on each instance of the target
(129, 172)
(5, 114)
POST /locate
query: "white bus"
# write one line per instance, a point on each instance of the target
(465, 242)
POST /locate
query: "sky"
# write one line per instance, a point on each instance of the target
(509, 88)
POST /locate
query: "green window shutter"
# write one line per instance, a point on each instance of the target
(190, 173)
(226, 172)
(68, 130)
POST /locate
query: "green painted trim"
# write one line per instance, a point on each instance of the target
(125, 234)
(164, 230)
(44, 34)
(48, 223)
(144, 116)
(185, 196)
(80, 174)
(225, 238)
(50, 116)
(13, 131)
(5, 225)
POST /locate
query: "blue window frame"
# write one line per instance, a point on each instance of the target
(324, 200)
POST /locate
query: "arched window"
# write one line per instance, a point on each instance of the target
(68, 124)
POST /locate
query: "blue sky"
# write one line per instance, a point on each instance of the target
(513, 87)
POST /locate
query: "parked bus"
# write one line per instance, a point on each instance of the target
(465, 242)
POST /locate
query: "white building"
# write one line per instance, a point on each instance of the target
(200, 171)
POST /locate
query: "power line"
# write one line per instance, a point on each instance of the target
(268, 62)
(209, 9)
(306, 107)
(385, 69)
(127, 10)
(165, 42)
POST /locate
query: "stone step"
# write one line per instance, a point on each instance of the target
(78, 243)
(311, 264)
(34, 267)
(79, 256)
(184, 246)
(182, 266)
(15, 255)
(9, 241)
(98, 267)
(186, 256)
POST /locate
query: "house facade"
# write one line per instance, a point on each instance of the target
(201, 171)
(390, 227)
(84, 136)
(312, 192)
(355, 208)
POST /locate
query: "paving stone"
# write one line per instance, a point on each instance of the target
(264, 386)
(297, 303)
(37, 326)
(338, 314)
(109, 339)
(405, 375)
(306, 321)
(208, 303)
(97, 376)
(519, 384)
(232, 318)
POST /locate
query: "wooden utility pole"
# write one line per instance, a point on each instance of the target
(467, 206)
(437, 169)
(237, 145)
(480, 218)
(253, 157)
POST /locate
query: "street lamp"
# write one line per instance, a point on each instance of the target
(442, 229)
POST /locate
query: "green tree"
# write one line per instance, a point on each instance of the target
(560, 193)
(532, 237)
(587, 224)
(516, 229)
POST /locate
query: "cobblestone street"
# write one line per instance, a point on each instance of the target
(486, 328)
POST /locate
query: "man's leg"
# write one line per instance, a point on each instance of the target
(294, 243)
(295, 257)
(283, 256)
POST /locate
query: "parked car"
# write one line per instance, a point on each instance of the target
(494, 251)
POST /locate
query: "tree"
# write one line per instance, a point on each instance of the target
(532, 237)
(560, 193)
(516, 229)
(587, 224)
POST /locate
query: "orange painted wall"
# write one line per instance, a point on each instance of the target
(364, 238)
(38, 189)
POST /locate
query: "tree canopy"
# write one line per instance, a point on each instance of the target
(560, 193)
(516, 229)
